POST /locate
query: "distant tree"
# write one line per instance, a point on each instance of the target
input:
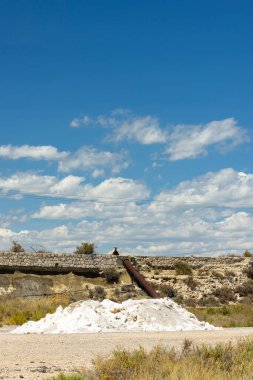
(85, 249)
(247, 254)
(16, 247)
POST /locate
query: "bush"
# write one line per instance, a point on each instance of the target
(183, 268)
(208, 301)
(98, 293)
(167, 291)
(245, 289)
(112, 276)
(16, 247)
(191, 283)
(229, 273)
(247, 254)
(217, 274)
(249, 271)
(85, 249)
(210, 362)
(224, 294)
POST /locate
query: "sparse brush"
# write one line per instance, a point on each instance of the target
(240, 315)
(16, 311)
(112, 276)
(249, 271)
(167, 291)
(221, 361)
(191, 283)
(183, 268)
(224, 294)
(217, 274)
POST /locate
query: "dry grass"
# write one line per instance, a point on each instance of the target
(240, 315)
(16, 311)
(219, 362)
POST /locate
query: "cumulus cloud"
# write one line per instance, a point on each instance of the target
(72, 187)
(144, 130)
(125, 126)
(46, 152)
(226, 187)
(199, 216)
(86, 158)
(191, 141)
(183, 233)
(89, 158)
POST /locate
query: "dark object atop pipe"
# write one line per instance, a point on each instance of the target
(115, 252)
(139, 279)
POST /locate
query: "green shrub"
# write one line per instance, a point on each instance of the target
(112, 276)
(85, 249)
(183, 268)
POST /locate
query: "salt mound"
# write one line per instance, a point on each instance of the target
(108, 316)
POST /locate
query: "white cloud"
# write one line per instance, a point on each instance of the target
(226, 187)
(85, 158)
(181, 234)
(126, 127)
(190, 218)
(188, 141)
(98, 173)
(72, 187)
(144, 130)
(46, 152)
(90, 158)
(77, 122)
(196, 216)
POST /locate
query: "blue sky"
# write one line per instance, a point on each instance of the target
(127, 124)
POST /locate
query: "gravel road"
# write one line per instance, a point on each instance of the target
(34, 357)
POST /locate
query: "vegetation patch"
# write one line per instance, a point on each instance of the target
(240, 315)
(85, 249)
(112, 276)
(16, 311)
(222, 361)
(183, 268)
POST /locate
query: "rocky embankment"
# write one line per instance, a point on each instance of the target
(189, 281)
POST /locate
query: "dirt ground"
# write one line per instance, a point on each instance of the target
(34, 357)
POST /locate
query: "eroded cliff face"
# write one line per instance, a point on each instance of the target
(211, 281)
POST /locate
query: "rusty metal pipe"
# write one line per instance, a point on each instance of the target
(139, 279)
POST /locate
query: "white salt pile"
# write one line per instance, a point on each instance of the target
(108, 316)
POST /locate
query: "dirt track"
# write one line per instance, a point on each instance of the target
(41, 356)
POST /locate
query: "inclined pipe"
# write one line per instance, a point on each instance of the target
(139, 279)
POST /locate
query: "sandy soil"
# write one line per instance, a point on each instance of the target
(42, 356)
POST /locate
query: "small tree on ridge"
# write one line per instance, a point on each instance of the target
(85, 249)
